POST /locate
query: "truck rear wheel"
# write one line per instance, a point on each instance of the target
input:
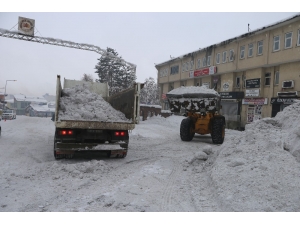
(218, 131)
(186, 127)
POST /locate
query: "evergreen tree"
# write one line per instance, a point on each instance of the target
(87, 77)
(150, 93)
(118, 75)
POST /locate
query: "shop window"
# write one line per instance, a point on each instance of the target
(218, 58)
(276, 43)
(259, 47)
(276, 78)
(254, 113)
(267, 79)
(208, 60)
(288, 40)
(238, 81)
(231, 55)
(183, 83)
(250, 50)
(242, 52)
(224, 57)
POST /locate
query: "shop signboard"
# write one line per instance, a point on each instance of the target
(255, 101)
(252, 93)
(253, 83)
(232, 95)
(282, 100)
(206, 71)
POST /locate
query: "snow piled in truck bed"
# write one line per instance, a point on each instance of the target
(258, 169)
(78, 103)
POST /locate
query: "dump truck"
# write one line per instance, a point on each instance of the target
(90, 121)
(201, 106)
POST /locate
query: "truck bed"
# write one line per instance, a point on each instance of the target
(94, 125)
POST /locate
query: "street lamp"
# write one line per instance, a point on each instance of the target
(6, 84)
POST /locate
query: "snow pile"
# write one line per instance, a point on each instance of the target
(193, 90)
(78, 103)
(256, 170)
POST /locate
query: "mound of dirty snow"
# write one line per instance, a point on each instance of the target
(78, 103)
(256, 170)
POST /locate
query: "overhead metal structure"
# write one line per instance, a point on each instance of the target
(63, 43)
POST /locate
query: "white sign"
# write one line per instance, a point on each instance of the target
(252, 93)
(207, 84)
(225, 86)
(26, 26)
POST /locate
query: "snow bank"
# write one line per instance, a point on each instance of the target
(256, 170)
(78, 103)
(193, 90)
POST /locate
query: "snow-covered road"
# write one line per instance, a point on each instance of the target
(161, 173)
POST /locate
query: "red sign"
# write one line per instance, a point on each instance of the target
(205, 71)
(163, 96)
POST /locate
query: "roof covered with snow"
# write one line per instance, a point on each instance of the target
(21, 97)
(42, 108)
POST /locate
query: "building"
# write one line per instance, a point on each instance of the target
(40, 110)
(257, 74)
(21, 102)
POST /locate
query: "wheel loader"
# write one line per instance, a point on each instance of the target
(202, 110)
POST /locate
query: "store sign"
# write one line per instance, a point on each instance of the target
(253, 83)
(225, 86)
(163, 96)
(252, 93)
(282, 100)
(206, 71)
(255, 101)
(26, 26)
(206, 84)
(232, 95)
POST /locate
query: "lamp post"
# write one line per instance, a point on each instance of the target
(6, 84)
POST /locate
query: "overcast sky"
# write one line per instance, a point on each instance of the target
(142, 38)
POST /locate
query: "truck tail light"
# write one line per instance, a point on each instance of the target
(120, 133)
(66, 132)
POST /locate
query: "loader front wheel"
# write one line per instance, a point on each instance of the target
(218, 131)
(186, 130)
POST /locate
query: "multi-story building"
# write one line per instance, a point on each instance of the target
(21, 102)
(257, 74)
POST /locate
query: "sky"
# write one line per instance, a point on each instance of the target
(142, 36)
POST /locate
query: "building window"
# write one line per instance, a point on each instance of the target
(231, 54)
(242, 52)
(298, 42)
(204, 62)
(224, 57)
(244, 80)
(174, 69)
(250, 50)
(276, 43)
(259, 47)
(191, 65)
(238, 82)
(198, 63)
(208, 61)
(164, 72)
(218, 58)
(267, 78)
(288, 40)
(171, 86)
(276, 78)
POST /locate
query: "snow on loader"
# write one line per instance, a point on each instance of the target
(201, 106)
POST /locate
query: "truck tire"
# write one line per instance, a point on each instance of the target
(186, 127)
(218, 130)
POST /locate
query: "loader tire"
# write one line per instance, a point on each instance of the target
(186, 128)
(218, 131)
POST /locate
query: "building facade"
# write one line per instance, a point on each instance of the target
(257, 74)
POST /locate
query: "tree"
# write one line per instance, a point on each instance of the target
(118, 75)
(150, 93)
(87, 77)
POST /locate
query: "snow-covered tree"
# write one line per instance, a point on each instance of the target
(150, 93)
(117, 75)
(87, 77)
